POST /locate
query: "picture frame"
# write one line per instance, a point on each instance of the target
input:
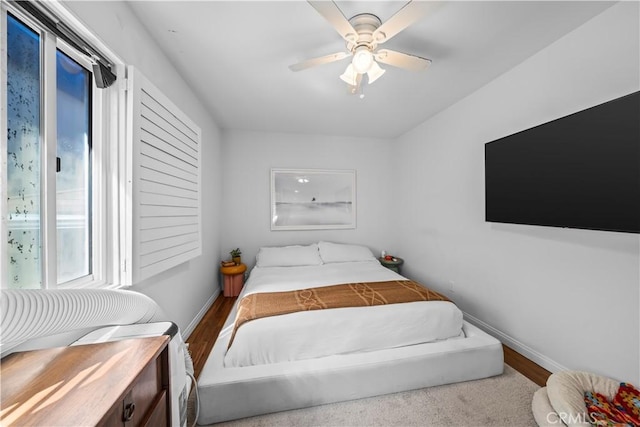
(313, 199)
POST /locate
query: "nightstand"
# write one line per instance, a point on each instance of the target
(394, 264)
(233, 279)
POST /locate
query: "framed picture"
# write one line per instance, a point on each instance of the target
(312, 199)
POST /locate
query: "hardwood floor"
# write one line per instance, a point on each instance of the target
(205, 334)
(526, 367)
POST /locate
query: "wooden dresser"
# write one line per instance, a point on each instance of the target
(120, 383)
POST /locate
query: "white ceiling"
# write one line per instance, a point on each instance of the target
(235, 56)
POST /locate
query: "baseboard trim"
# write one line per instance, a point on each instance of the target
(200, 315)
(526, 351)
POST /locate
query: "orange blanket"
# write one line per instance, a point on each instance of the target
(256, 306)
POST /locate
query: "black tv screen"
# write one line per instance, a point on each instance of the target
(579, 171)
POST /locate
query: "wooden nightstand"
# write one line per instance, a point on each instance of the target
(394, 264)
(233, 279)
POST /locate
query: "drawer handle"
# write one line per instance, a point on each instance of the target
(128, 412)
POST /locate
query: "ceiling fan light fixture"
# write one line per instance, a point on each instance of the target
(362, 59)
(375, 72)
(350, 76)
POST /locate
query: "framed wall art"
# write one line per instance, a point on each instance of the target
(313, 199)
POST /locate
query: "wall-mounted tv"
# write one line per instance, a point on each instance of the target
(579, 171)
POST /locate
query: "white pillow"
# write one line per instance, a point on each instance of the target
(337, 252)
(288, 256)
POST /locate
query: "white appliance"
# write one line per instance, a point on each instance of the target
(180, 364)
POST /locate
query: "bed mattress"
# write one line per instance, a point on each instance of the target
(319, 333)
(231, 392)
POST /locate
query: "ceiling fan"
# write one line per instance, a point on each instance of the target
(363, 33)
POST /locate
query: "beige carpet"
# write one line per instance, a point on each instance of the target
(499, 401)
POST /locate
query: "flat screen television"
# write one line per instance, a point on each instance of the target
(579, 171)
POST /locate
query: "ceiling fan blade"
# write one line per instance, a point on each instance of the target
(318, 61)
(402, 60)
(410, 13)
(330, 11)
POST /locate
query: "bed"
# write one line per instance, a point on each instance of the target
(313, 357)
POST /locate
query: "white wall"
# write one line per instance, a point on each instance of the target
(564, 297)
(248, 159)
(182, 291)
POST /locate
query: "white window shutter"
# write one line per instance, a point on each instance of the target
(163, 178)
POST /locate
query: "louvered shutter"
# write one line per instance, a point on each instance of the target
(163, 195)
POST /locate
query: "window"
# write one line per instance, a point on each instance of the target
(100, 182)
(23, 156)
(56, 196)
(73, 177)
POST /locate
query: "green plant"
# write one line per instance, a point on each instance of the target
(235, 253)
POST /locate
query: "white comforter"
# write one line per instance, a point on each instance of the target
(318, 333)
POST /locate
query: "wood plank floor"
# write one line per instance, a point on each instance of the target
(205, 334)
(526, 367)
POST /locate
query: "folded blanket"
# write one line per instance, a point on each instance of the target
(623, 410)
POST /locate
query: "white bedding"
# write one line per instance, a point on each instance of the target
(287, 338)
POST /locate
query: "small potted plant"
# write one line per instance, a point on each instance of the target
(235, 256)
